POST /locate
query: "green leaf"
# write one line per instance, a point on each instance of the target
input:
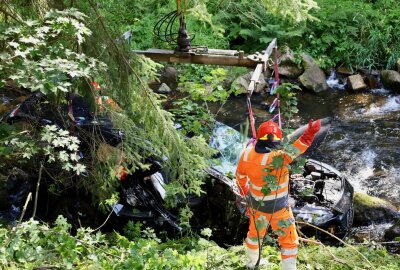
(266, 190)
(277, 162)
(272, 183)
(283, 223)
(279, 232)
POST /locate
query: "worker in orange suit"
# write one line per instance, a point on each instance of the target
(270, 209)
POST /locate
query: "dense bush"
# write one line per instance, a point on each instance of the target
(353, 32)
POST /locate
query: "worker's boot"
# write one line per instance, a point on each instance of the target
(253, 258)
(289, 264)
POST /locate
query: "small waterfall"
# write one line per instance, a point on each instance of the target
(333, 81)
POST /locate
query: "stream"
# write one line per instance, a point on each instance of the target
(363, 143)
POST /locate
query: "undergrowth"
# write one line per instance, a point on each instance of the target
(32, 245)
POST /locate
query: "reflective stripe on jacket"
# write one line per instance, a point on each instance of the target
(250, 172)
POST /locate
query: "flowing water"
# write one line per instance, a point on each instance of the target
(363, 143)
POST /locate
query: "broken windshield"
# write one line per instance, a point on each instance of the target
(230, 144)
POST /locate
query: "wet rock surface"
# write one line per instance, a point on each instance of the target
(356, 82)
(368, 209)
(371, 81)
(391, 79)
(313, 78)
(288, 67)
(345, 70)
(393, 232)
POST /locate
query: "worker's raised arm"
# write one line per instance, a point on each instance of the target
(302, 143)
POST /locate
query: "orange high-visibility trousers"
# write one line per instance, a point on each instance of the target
(288, 238)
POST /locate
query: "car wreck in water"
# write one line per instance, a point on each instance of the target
(320, 195)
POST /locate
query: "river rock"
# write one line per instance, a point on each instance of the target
(393, 232)
(242, 83)
(288, 66)
(371, 81)
(164, 89)
(169, 75)
(356, 82)
(345, 70)
(391, 79)
(313, 78)
(368, 210)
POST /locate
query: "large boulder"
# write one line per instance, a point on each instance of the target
(369, 209)
(313, 77)
(391, 79)
(242, 83)
(288, 66)
(356, 82)
(169, 75)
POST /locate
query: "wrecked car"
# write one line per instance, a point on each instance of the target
(320, 195)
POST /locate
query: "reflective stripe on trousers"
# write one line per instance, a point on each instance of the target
(288, 241)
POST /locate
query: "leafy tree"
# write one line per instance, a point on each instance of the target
(75, 53)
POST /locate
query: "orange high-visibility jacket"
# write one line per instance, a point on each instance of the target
(249, 173)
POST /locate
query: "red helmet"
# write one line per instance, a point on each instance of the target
(269, 127)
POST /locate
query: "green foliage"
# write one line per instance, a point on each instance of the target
(141, 18)
(297, 10)
(288, 100)
(132, 230)
(251, 26)
(32, 245)
(52, 145)
(195, 119)
(202, 84)
(210, 87)
(271, 181)
(28, 59)
(70, 63)
(361, 33)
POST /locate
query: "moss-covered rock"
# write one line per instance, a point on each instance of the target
(369, 209)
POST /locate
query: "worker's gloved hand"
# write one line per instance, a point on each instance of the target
(312, 129)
